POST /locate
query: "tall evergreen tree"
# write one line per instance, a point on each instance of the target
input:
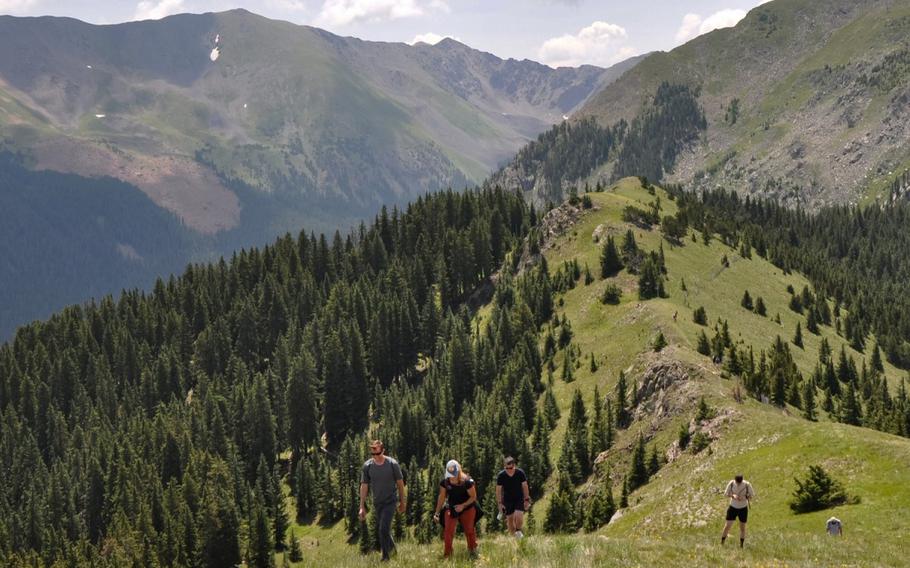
(577, 431)
(610, 262)
(562, 516)
(623, 412)
(638, 474)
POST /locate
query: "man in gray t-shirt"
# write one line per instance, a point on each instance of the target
(382, 474)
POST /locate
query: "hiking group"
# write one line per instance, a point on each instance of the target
(455, 505)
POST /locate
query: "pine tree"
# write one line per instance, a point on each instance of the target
(623, 414)
(562, 516)
(877, 364)
(703, 347)
(577, 431)
(593, 364)
(812, 322)
(760, 308)
(295, 554)
(704, 411)
(684, 437)
(599, 426)
(638, 475)
(808, 400)
(550, 408)
(568, 375)
(279, 511)
(539, 466)
(624, 498)
(301, 403)
(828, 403)
(650, 282)
(817, 492)
(746, 302)
(305, 490)
(631, 255)
(798, 336)
(261, 550)
(851, 412)
(612, 295)
(218, 523)
(611, 425)
(732, 363)
(610, 263)
(653, 462)
(600, 509)
(699, 316)
(659, 342)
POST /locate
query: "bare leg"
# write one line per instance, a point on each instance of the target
(742, 532)
(518, 519)
(510, 524)
(727, 526)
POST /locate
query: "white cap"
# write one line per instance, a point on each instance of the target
(452, 469)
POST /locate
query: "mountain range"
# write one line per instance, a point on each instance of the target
(241, 128)
(803, 101)
(345, 124)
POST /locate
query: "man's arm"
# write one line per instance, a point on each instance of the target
(364, 489)
(526, 491)
(402, 496)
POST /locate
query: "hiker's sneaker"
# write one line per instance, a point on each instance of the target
(519, 535)
(473, 554)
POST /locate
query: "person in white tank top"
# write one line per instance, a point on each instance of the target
(740, 493)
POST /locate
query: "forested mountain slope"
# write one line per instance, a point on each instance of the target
(224, 413)
(805, 101)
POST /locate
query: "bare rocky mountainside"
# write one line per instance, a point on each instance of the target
(187, 107)
(807, 101)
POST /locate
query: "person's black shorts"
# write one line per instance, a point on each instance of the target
(733, 513)
(512, 506)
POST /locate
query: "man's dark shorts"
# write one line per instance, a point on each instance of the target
(512, 506)
(733, 513)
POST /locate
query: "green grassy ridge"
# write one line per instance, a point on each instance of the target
(797, 68)
(675, 519)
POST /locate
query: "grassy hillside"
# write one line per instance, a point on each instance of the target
(805, 101)
(676, 518)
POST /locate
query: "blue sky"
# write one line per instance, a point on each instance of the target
(556, 32)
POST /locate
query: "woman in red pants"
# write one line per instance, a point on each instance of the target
(457, 488)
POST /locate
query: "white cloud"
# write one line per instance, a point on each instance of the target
(289, 5)
(157, 9)
(601, 43)
(689, 27)
(15, 6)
(694, 25)
(430, 38)
(344, 12)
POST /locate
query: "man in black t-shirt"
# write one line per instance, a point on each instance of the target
(513, 496)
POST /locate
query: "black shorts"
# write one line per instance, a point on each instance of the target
(733, 513)
(512, 506)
